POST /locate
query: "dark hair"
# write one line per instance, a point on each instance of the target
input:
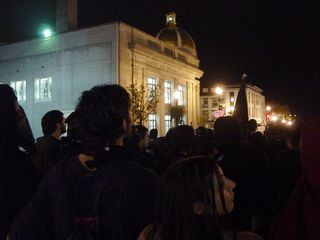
(100, 113)
(49, 121)
(228, 134)
(182, 139)
(8, 119)
(138, 132)
(153, 133)
(252, 125)
(183, 184)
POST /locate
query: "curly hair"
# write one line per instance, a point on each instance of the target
(99, 115)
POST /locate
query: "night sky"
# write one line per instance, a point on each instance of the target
(276, 43)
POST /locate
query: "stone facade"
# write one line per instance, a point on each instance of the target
(75, 61)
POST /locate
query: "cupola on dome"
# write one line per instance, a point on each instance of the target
(176, 37)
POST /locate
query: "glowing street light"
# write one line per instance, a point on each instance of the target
(289, 123)
(176, 96)
(268, 108)
(218, 91)
(274, 118)
(47, 33)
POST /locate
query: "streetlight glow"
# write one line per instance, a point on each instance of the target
(274, 118)
(176, 95)
(268, 108)
(47, 33)
(218, 90)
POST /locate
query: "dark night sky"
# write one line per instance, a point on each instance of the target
(277, 43)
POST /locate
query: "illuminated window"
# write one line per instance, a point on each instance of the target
(167, 92)
(152, 121)
(152, 84)
(205, 102)
(43, 88)
(232, 100)
(167, 122)
(20, 88)
(181, 90)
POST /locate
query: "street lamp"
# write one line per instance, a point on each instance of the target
(176, 96)
(268, 108)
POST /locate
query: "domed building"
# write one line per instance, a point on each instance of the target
(176, 37)
(51, 72)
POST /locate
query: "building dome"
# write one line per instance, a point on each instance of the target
(176, 37)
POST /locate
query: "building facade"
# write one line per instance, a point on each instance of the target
(215, 105)
(50, 73)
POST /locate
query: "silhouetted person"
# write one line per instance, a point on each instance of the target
(136, 144)
(244, 164)
(18, 175)
(255, 137)
(101, 186)
(49, 146)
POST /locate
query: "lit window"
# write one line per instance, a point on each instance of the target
(167, 92)
(152, 83)
(205, 90)
(43, 88)
(167, 122)
(181, 90)
(21, 89)
(205, 102)
(152, 121)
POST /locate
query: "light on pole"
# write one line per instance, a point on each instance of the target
(176, 96)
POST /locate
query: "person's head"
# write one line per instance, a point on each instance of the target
(252, 126)
(191, 188)
(8, 112)
(228, 134)
(138, 138)
(153, 133)
(53, 122)
(102, 116)
(182, 139)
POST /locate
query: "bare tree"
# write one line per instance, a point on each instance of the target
(143, 102)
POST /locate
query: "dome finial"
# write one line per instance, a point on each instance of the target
(171, 19)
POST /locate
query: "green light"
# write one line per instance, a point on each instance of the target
(47, 33)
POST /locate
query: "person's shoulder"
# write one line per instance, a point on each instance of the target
(130, 167)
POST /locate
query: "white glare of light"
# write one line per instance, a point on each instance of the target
(268, 108)
(47, 33)
(274, 118)
(289, 123)
(218, 90)
(283, 121)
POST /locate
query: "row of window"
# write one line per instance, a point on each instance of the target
(42, 89)
(179, 94)
(152, 123)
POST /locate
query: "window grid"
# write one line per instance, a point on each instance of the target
(152, 121)
(20, 87)
(181, 95)
(167, 92)
(167, 122)
(43, 88)
(152, 83)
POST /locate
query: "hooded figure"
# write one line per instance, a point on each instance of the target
(300, 218)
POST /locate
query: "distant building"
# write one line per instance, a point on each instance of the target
(50, 73)
(214, 106)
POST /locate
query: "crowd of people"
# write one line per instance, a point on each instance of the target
(95, 175)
